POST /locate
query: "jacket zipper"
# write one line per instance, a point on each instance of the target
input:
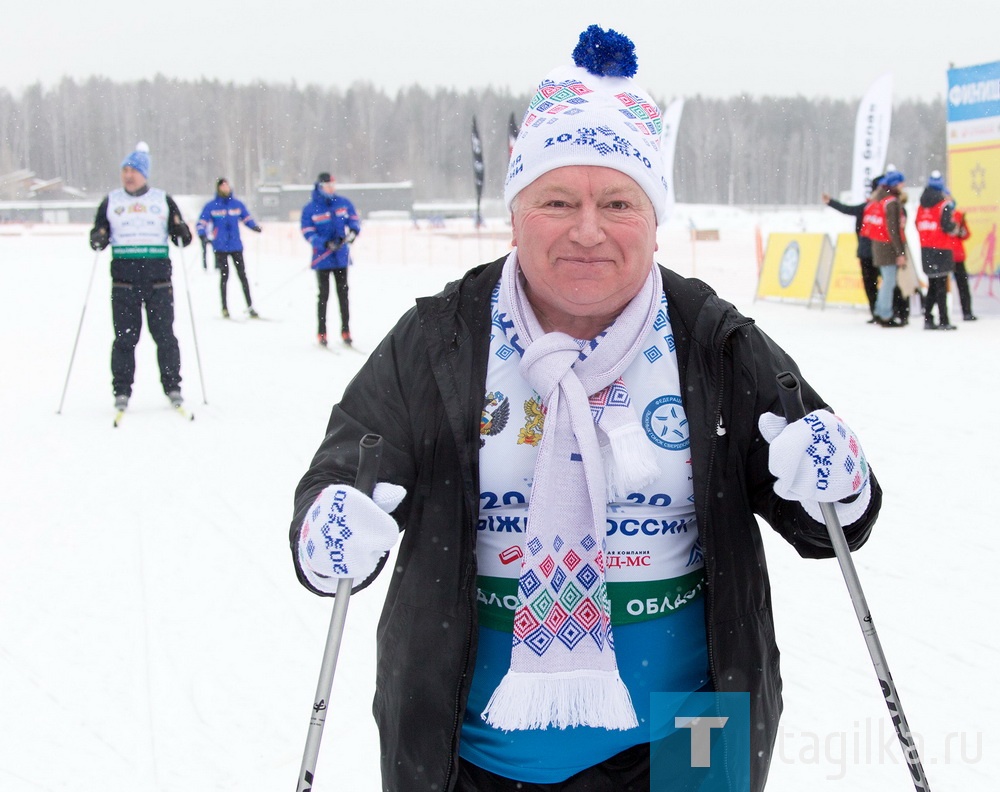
(719, 430)
(456, 725)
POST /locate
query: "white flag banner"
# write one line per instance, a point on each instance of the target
(668, 143)
(871, 136)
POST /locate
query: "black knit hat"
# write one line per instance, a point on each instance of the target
(220, 181)
(323, 177)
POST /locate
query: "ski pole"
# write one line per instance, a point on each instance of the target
(72, 356)
(791, 403)
(369, 454)
(194, 334)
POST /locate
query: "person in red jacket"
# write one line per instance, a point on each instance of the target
(883, 225)
(869, 272)
(958, 254)
(935, 227)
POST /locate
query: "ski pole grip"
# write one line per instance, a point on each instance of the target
(369, 457)
(790, 395)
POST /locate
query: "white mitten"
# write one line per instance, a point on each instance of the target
(817, 459)
(346, 533)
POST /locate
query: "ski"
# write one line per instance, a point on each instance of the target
(328, 348)
(179, 409)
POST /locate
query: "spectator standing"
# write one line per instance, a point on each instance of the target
(869, 272)
(883, 225)
(220, 223)
(330, 224)
(961, 234)
(137, 221)
(935, 227)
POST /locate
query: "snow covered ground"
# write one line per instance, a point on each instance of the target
(152, 632)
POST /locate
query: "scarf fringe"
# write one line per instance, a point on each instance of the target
(629, 461)
(537, 700)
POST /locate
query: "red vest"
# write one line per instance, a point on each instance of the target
(873, 223)
(929, 227)
(957, 242)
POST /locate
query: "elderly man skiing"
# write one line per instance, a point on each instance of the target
(577, 442)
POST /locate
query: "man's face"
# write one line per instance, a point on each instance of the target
(132, 180)
(585, 237)
(330, 187)
(225, 190)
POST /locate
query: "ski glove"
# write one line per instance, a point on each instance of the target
(257, 229)
(99, 238)
(346, 534)
(817, 459)
(180, 234)
(350, 235)
(335, 244)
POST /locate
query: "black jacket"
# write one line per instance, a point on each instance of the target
(857, 211)
(423, 391)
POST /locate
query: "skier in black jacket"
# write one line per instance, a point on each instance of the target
(517, 409)
(137, 221)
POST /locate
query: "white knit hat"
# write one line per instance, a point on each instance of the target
(592, 113)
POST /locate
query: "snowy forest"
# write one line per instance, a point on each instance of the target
(741, 150)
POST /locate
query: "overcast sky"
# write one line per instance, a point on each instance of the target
(715, 48)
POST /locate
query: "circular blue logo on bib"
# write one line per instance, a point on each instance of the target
(666, 423)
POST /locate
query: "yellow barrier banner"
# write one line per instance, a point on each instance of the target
(980, 200)
(845, 286)
(974, 161)
(796, 267)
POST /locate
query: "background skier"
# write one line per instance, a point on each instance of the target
(221, 218)
(136, 221)
(330, 224)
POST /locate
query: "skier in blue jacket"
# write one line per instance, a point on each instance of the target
(219, 223)
(330, 224)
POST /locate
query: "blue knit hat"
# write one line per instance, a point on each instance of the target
(138, 159)
(936, 181)
(892, 178)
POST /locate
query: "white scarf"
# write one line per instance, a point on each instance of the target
(563, 670)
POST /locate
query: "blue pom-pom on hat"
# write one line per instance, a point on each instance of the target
(592, 113)
(936, 181)
(138, 159)
(605, 53)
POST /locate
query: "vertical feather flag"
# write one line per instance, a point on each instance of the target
(871, 136)
(512, 133)
(478, 169)
(668, 145)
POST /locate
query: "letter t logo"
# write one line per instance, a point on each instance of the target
(701, 737)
